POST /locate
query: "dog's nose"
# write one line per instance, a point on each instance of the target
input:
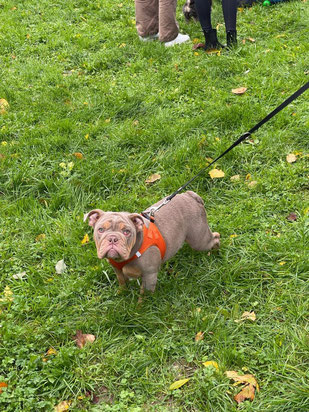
(113, 239)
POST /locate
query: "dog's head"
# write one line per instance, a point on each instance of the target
(189, 10)
(115, 233)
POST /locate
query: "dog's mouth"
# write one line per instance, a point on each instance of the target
(112, 253)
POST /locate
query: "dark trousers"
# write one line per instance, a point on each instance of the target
(203, 8)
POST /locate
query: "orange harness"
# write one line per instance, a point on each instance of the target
(152, 237)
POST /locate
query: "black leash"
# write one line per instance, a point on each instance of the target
(150, 215)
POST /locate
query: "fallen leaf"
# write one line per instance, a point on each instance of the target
(291, 158)
(3, 385)
(42, 236)
(62, 406)
(153, 178)
(242, 378)
(232, 236)
(199, 336)
(178, 384)
(60, 267)
(282, 263)
(252, 184)
(198, 46)
(251, 39)
(51, 351)
(85, 239)
(211, 363)
(78, 155)
(239, 90)
(292, 217)
(216, 173)
(246, 316)
(248, 177)
(246, 393)
(235, 178)
(4, 106)
(19, 276)
(82, 338)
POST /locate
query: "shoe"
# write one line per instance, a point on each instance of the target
(231, 38)
(181, 38)
(149, 38)
(211, 40)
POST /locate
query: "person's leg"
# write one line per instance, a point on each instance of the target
(203, 8)
(229, 12)
(168, 26)
(147, 17)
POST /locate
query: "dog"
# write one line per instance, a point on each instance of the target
(136, 247)
(189, 11)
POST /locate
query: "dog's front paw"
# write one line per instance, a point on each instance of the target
(216, 236)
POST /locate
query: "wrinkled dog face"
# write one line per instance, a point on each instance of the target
(114, 233)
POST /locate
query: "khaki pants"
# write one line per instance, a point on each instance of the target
(153, 16)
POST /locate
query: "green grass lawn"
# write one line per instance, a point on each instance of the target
(78, 80)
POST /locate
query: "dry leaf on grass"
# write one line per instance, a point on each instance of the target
(82, 338)
(247, 392)
(19, 276)
(4, 106)
(3, 385)
(39, 237)
(178, 384)
(235, 178)
(252, 183)
(239, 90)
(60, 267)
(216, 173)
(62, 406)
(249, 382)
(246, 316)
(78, 155)
(292, 217)
(199, 336)
(291, 158)
(153, 178)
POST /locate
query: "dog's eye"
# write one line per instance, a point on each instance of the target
(126, 232)
(100, 230)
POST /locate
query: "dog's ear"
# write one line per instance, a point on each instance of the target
(93, 216)
(137, 221)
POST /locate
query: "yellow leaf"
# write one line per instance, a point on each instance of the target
(247, 316)
(85, 239)
(248, 177)
(51, 351)
(251, 39)
(178, 384)
(291, 158)
(199, 336)
(216, 173)
(153, 178)
(78, 155)
(232, 236)
(62, 406)
(235, 178)
(4, 106)
(42, 236)
(239, 90)
(282, 263)
(211, 363)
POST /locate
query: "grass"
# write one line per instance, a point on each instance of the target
(78, 80)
